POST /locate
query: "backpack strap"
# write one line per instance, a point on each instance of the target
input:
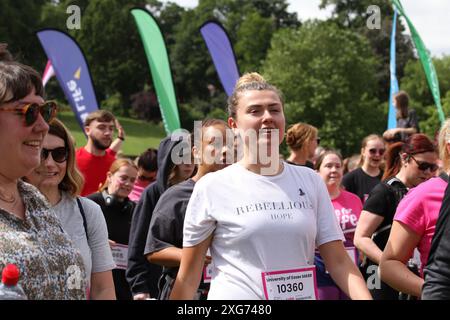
(80, 206)
(398, 193)
(392, 180)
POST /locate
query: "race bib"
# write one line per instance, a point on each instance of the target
(298, 284)
(120, 255)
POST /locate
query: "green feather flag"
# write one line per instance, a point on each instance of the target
(156, 52)
(425, 58)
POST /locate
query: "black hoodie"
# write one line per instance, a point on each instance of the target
(141, 275)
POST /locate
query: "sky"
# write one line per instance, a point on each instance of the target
(430, 19)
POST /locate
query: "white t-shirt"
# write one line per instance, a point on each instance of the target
(260, 224)
(96, 254)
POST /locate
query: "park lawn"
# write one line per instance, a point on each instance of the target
(140, 135)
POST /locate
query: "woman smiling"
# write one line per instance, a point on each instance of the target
(31, 234)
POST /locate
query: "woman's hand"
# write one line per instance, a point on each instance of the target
(390, 134)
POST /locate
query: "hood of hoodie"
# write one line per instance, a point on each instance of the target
(165, 163)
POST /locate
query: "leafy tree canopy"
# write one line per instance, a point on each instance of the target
(327, 75)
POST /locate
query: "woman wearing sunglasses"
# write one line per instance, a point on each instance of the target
(415, 222)
(407, 165)
(31, 235)
(60, 181)
(362, 180)
(147, 168)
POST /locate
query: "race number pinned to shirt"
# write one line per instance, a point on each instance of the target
(120, 255)
(297, 284)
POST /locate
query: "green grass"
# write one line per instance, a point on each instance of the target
(140, 135)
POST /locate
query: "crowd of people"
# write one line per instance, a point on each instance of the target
(209, 217)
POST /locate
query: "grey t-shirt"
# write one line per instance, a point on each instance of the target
(96, 254)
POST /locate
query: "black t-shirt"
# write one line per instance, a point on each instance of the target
(166, 226)
(360, 183)
(410, 122)
(383, 201)
(118, 215)
(437, 270)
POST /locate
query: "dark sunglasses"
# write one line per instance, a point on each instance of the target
(424, 166)
(58, 154)
(31, 112)
(318, 141)
(374, 151)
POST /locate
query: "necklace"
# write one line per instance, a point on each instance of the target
(7, 198)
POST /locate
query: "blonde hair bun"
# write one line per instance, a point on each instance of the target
(249, 78)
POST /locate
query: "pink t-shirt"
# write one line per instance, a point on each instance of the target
(419, 210)
(347, 208)
(138, 188)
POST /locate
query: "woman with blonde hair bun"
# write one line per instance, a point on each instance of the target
(263, 226)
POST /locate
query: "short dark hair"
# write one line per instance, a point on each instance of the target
(17, 81)
(148, 160)
(100, 116)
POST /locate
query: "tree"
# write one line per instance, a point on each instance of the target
(353, 14)
(19, 21)
(109, 38)
(112, 45)
(192, 66)
(254, 36)
(416, 85)
(327, 75)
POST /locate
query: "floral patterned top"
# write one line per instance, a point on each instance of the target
(50, 266)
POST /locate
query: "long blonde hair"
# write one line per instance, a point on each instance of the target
(364, 144)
